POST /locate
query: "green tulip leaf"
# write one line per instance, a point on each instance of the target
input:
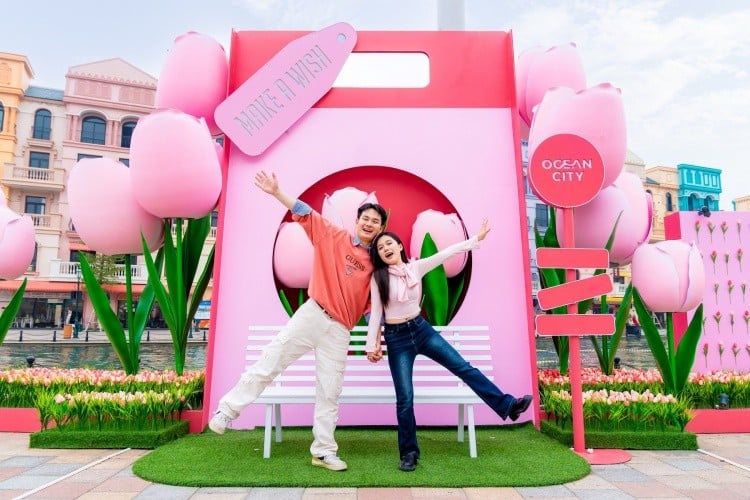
(687, 348)
(108, 320)
(434, 287)
(655, 343)
(285, 302)
(10, 311)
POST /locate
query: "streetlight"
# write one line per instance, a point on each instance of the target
(78, 296)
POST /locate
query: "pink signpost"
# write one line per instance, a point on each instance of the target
(566, 171)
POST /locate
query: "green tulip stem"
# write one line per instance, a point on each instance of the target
(671, 347)
(134, 345)
(180, 294)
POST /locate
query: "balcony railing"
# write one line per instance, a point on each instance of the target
(211, 232)
(52, 222)
(40, 179)
(69, 271)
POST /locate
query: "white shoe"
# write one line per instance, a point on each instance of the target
(330, 462)
(219, 422)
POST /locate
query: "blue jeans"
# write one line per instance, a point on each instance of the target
(403, 342)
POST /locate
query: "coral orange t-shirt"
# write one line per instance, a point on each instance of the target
(340, 280)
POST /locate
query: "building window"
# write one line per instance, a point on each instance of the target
(93, 130)
(35, 205)
(214, 219)
(668, 196)
(2, 116)
(32, 266)
(81, 156)
(541, 218)
(38, 160)
(125, 161)
(127, 134)
(42, 124)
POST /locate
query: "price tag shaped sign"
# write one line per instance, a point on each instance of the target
(566, 171)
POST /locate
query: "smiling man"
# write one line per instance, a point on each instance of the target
(339, 294)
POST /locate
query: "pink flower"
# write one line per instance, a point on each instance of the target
(730, 287)
(717, 317)
(540, 69)
(743, 287)
(739, 229)
(716, 291)
(594, 221)
(17, 242)
(711, 228)
(726, 261)
(595, 114)
(697, 228)
(445, 230)
(341, 207)
(724, 228)
(739, 257)
(731, 320)
(94, 210)
(713, 259)
(669, 275)
(721, 351)
(293, 256)
(735, 351)
(746, 317)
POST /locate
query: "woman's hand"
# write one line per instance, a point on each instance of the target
(375, 356)
(483, 230)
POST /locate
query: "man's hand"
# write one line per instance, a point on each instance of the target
(374, 357)
(268, 184)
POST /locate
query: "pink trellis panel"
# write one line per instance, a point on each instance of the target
(723, 239)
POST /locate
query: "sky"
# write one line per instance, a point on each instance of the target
(682, 66)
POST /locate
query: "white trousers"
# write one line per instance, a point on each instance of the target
(309, 328)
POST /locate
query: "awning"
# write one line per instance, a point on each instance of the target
(120, 288)
(80, 247)
(40, 286)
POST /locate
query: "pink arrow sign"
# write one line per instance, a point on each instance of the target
(279, 93)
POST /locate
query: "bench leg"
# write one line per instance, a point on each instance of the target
(472, 433)
(460, 423)
(267, 432)
(277, 407)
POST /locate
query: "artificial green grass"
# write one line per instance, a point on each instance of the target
(507, 456)
(145, 439)
(625, 440)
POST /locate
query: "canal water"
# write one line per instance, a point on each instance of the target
(633, 353)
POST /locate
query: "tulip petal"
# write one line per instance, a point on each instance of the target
(696, 280)
(341, 207)
(656, 278)
(445, 230)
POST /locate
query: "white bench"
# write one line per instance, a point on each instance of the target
(366, 382)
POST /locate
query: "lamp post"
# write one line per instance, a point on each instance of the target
(78, 296)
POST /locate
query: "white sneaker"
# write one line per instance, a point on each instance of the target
(219, 422)
(330, 462)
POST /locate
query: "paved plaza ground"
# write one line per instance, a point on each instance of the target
(719, 470)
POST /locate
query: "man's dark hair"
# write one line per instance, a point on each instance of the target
(378, 208)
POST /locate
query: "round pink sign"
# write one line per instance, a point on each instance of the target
(566, 171)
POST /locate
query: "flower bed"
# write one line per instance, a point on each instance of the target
(97, 400)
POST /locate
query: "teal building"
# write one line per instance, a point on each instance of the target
(699, 186)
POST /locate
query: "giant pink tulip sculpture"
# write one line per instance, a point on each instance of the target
(17, 243)
(668, 277)
(176, 167)
(433, 231)
(593, 222)
(341, 207)
(539, 70)
(94, 210)
(595, 114)
(194, 79)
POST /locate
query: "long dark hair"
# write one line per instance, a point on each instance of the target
(381, 268)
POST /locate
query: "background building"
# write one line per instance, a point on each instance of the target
(44, 133)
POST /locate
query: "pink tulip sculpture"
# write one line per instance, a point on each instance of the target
(668, 277)
(596, 114)
(292, 261)
(433, 231)
(176, 165)
(624, 203)
(94, 209)
(17, 244)
(538, 70)
(194, 78)
(340, 208)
